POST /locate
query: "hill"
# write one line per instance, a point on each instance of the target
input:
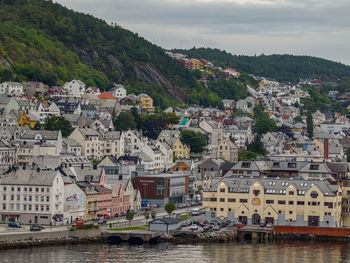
(284, 68)
(44, 41)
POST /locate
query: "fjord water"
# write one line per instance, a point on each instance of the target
(313, 252)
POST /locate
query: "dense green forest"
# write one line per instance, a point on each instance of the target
(285, 68)
(44, 41)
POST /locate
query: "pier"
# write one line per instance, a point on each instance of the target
(131, 236)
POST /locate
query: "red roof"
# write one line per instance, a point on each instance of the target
(107, 96)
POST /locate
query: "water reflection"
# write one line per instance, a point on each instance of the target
(293, 252)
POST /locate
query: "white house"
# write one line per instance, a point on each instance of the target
(44, 112)
(118, 91)
(75, 88)
(11, 88)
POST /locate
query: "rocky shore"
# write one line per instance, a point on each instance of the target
(198, 237)
(49, 242)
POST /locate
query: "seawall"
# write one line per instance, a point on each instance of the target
(55, 238)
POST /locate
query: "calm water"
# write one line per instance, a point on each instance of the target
(233, 252)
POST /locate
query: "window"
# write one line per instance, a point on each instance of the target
(24, 207)
(213, 199)
(300, 202)
(12, 188)
(17, 207)
(328, 204)
(270, 201)
(30, 189)
(221, 209)
(25, 198)
(231, 200)
(47, 208)
(47, 198)
(222, 199)
(291, 192)
(37, 189)
(42, 190)
(36, 198)
(290, 212)
(42, 208)
(314, 194)
(314, 167)
(276, 165)
(30, 198)
(243, 200)
(18, 189)
(36, 208)
(42, 198)
(12, 197)
(222, 190)
(292, 165)
(18, 197)
(291, 202)
(4, 197)
(245, 165)
(256, 192)
(3, 206)
(30, 207)
(281, 202)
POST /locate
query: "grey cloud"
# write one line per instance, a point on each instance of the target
(213, 22)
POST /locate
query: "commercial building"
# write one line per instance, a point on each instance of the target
(277, 201)
(163, 188)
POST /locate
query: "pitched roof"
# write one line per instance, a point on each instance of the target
(29, 177)
(107, 95)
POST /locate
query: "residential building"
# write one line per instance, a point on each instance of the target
(227, 150)
(75, 88)
(32, 196)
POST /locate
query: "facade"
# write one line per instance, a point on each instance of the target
(32, 196)
(11, 88)
(74, 203)
(277, 201)
(227, 150)
(172, 137)
(75, 88)
(163, 188)
(146, 103)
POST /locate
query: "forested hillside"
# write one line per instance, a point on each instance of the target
(44, 41)
(285, 68)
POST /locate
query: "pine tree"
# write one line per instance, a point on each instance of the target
(310, 125)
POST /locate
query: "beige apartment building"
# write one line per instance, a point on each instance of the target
(277, 201)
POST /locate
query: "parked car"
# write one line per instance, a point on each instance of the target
(202, 224)
(122, 214)
(195, 222)
(78, 222)
(89, 223)
(102, 221)
(239, 225)
(206, 227)
(14, 224)
(106, 216)
(269, 225)
(36, 228)
(193, 227)
(216, 228)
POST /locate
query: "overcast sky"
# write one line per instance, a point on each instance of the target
(301, 27)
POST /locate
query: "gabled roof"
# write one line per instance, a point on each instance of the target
(106, 95)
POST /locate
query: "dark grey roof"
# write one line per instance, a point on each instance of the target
(46, 135)
(338, 167)
(274, 185)
(164, 220)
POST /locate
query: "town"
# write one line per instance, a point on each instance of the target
(73, 154)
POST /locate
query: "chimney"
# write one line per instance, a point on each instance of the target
(326, 150)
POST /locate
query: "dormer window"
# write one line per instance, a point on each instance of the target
(314, 194)
(276, 165)
(314, 167)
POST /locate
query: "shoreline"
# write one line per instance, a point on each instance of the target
(182, 237)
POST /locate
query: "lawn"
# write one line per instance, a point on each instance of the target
(130, 228)
(184, 217)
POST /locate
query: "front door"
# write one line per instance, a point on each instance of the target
(256, 219)
(314, 220)
(269, 220)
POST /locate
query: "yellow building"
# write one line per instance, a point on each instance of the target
(25, 121)
(172, 137)
(146, 103)
(92, 199)
(196, 64)
(181, 151)
(277, 201)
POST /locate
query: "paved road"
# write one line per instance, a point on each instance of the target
(5, 230)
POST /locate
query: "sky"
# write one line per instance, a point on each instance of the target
(318, 28)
